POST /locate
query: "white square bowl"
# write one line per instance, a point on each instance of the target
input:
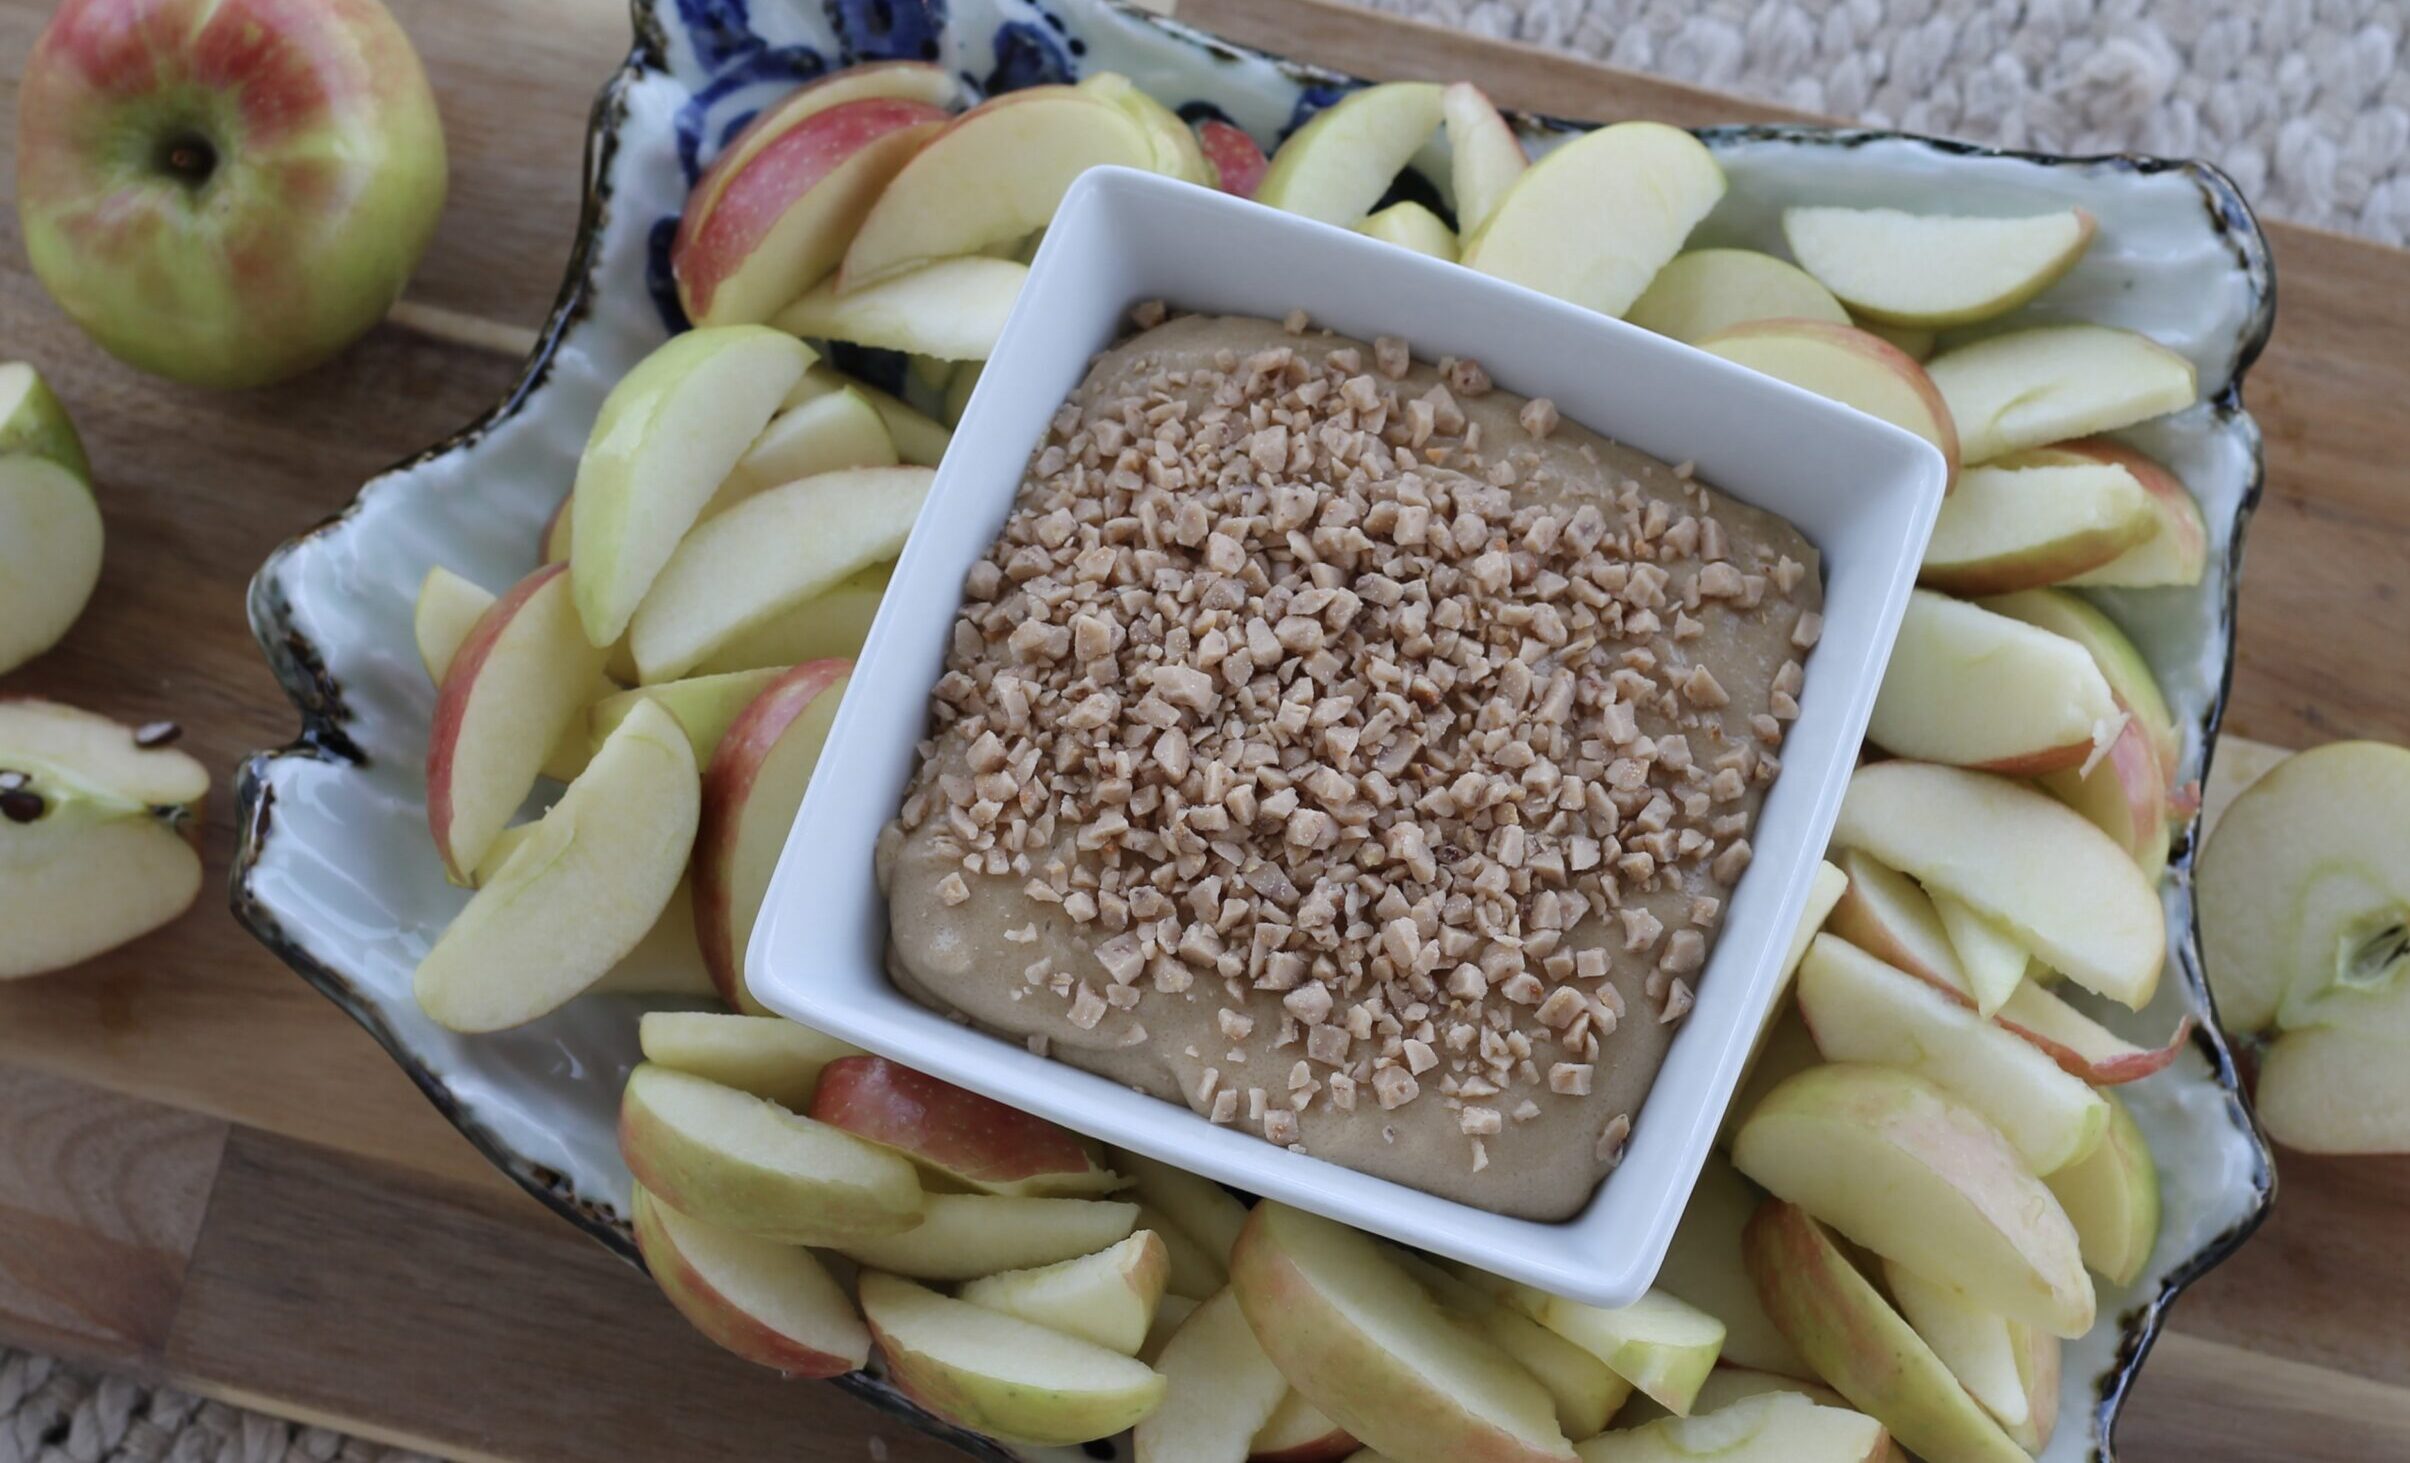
(1865, 493)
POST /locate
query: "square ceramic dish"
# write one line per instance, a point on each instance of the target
(1865, 493)
(335, 874)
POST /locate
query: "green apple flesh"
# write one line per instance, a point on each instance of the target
(1220, 1390)
(1196, 1272)
(962, 1236)
(1705, 291)
(1108, 1297)
(2119, 659)
(2062, 887)
(2177, 552)
(1354, 1333)
(34, 423)
(2033, 387)
(1787, 1050)
(2112, 1198)
(1198, 1205)
(50, 552)
(1587, 1394)
(953, 309)
(1861, 1346)
(1844, 364)
(665, 439)
(1409, 225)
(731, 1159)
(448, 608)
(1593, 221)
(1337, 166)
(1299, 1432)
(1971, 688)
(705, 706)
(2011, 528)
(1934, 269)
(226, 192)
(1883, 912)
(1484, 155)
(831, 625)
(1771, 1427)
(1172, 142)
(1703, 1267)
(1900, 1166)
(1002, 1376)
(830, 434)
(919, 438)
(1994, 1358)
(1662, 1345)
(768, 1056)
(770, 1303)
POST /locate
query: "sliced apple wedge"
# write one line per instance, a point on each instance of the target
(1409, 225)
(705, 706)
(560, 531)
(1900, 1166)
(1586, 1393)
(1772, 1427)
(994, 175)
(953, 309)
(769, 1057)
(1000, 1375)
(1844, 364)
(2032, 387)
(1706, 291)
(666, 962)
(1786, 1050)
(784, 212)
(2081, 1046)
(1171, 142)
(2010, 528)
(2177, 552)
(1238, 160)
(830, 434)
(919, 438)
(1884, 913)
(1203, 1209)
(2059, 885)
(1220, 1390)
(1593, 221)
(767, 556)
(963, 1236)
(1991, 957)
(1337, 166)
(1364, 1343)
(1704, 1268)
(2112, 1198)
(1860, 1345)
(1975, 689)
(770, 1303)
(1170, 1315)
(666, 436)
(1108, 1297)
(912, 81)
(50, 551)
(1298, 1432)
(448, 608)
(1660, 1344)
(2119, 659)
(1861, 1010)
(734, 1160)
(1934, 269)
(1484, 155)
(1197, 1272)
(831, 625)
(751, 792)
(955, 1135)
(1982, 1350)
(579, 892)
(512, 691)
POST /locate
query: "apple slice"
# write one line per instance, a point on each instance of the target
(2120, 661)
(1882, 912)
(953, 309)
(1707, 291)
(831, 625)
(448, 608)
(1772, 1427)
(1238, 160)
(1297, 1432)
(751, 792)
(50, 551)
(1898, 1165)
(1786, 1050)
(1660, 1344)
(963, 1236)
(1593, 221)
(1108, 1297)
(1484, 155)
(704, 706)
(2112, 1199)
(770, 1303)
(1170, 142)
(1703, 1267)
(1994, 1358)
(1221, 1390)
(1587, 1395)
(2082, 1046)
(912, 81)
(1000, 1375)
(1337, 166)
(837, 431)
(1934, 269)
(1202, 1209)
(34, 422)
(2125, 795)
(1373, 1350)
(993, 175)
(2010, 528)
(666, 436)
(1409, 225)
(918, 438)
(1991, 957)
(2059, 885)
(2177, 552)
(1844, 364)
(511, 692)
(734, 1160)
(1975, 689)
(578, 893)
(1859, 1344)
(957, 1136)
(769, 1057)
(1170, 1314)
(769, 554)
(782, 218)
(2045, 384)
(69, 756)
(1197, 1272)
(666, 962)
(1727, 1385)
(1861, 1010)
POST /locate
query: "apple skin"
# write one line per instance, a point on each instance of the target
(1814, 354)
(972, 1140)
(226, 193)
(686, 1279)
(1238, 161)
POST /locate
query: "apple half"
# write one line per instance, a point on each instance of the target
(1847, 365)
(1971, 688)
(1220, 1390)
(1108, 1297)
(2010, 528)
(1594, 220)
(960, 1138)
(1934, 269)
(772, 1304)
(1702, 292)
(34, 422)
(768, 1057)
(1337, 166)
(1000, 1375)
(2048, 383)
(50, 552)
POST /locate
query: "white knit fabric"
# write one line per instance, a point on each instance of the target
(54, 1413)
(2306, 103)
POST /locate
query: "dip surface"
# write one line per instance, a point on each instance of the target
(1352, 752)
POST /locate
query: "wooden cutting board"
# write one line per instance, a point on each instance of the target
(209, 1176)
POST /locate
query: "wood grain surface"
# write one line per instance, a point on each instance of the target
(207, 1174)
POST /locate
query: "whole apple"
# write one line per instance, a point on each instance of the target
(226, 192)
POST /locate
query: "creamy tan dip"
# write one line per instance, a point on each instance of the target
(1352, 752)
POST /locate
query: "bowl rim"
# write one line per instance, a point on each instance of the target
(299, 667)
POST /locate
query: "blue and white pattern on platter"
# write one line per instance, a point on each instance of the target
(338, 876)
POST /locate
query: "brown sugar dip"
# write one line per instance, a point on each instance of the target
(1351, 751)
